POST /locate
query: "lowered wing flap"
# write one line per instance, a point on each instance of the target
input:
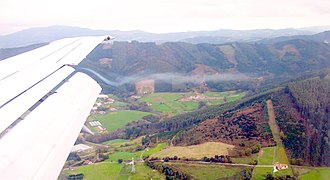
(43, 106)
(19, 105)
(38, 146)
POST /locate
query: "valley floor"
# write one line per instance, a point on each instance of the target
(125, 150)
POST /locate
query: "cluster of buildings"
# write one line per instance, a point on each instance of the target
(102, 105)
(81, 148)
(98, 126)
(198, 97)
(145, 87)
(278, 166)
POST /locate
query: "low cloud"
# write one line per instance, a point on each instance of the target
(175, 78)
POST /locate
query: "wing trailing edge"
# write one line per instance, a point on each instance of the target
(43, 106)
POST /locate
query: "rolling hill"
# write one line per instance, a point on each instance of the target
(320, 37)
(185, 63)
(236, 65)
(48, 34)
(301, 111)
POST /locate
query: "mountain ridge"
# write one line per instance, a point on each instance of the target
(135, 57)
(51, 33)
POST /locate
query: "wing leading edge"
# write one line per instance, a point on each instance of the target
(43, 106)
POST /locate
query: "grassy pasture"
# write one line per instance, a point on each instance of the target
(154, 150)
(109, 171)
(137, 155)
(116, 142)
(261, 172)
(317, 173)
(114, 120)
(281, 156)
(208, 149)
(266, 156)
(124, 155)
(169, 102)
(99, 171)
(245, 159)
(207, 171)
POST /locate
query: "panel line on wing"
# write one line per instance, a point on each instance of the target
(9, 75)
(44, 103)
(30, 87)
(59, 49)
(52, 127)
(36, 104)
(70, 124)
(68, 52)
(48, 55)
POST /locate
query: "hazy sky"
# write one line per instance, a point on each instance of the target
(163, 15)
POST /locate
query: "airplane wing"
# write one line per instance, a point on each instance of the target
(43, 106)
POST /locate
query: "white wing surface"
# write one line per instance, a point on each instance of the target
(43, 106)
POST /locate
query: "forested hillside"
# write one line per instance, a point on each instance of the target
(245, 127)
(178, 66)
(168, 127)
(130, 58)
(301, 111)
(303, 115)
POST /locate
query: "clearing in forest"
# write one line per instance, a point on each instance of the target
(272, 123)
(270, 155)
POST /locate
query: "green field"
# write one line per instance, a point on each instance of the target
(125, 149)
(108, 171)
(266, 156)
(154, 150)
(169, 102)
(114, 120)
(208, 149)
(207, 171)
(230, 95)
(116, 142)
(144, 172)
(124, 145)
(284, 172)
(245, 159)
(111, 169)
(317, 173)
(261, 172)
(97, 171)
(281, 156)
(118, 104)
(124, 155)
